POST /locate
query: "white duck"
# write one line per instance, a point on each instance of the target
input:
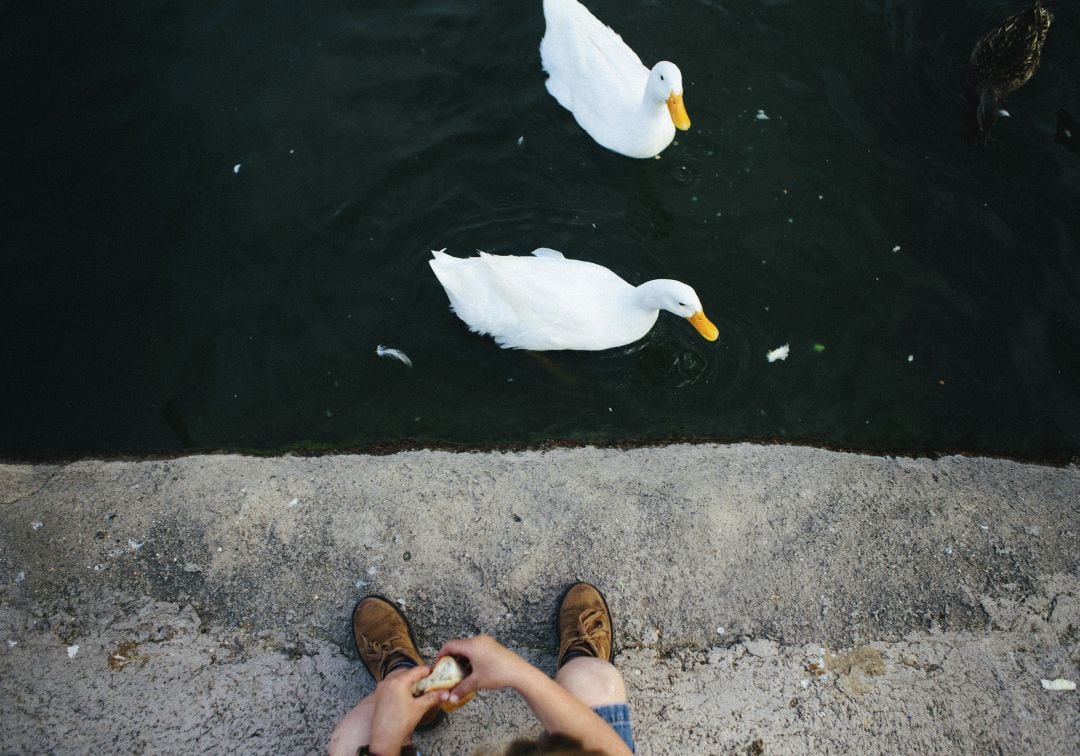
(549, 302)
(594, 74)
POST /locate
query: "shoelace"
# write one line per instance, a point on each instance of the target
(381, 653)
(590, 624)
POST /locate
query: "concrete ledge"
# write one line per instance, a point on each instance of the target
(734, 574)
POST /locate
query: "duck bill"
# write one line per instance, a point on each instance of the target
(704, 326)
(678, 112)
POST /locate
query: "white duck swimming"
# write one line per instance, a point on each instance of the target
(549, 302)
(594, 74)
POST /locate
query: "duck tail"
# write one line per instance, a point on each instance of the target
(986, 112)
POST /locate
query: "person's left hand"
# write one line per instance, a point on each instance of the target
(397, 712)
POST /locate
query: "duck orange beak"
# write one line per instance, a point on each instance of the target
(678, 112)
(704, 326)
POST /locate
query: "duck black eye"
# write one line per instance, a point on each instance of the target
(661, 77)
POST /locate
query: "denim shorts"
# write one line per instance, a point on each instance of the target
(618, 716)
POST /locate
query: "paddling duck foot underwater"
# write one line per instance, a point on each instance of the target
(1004, 59)
(620, 103)
(547, 302)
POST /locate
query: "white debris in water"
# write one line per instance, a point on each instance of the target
(1004, 113)
(236, 168)
(72, 650)
(293, 503)
(397, 354)
(720, 630)
(134, 545)
(896, 248)
(521, 140)
(373, 570)
(1059, 684)
(780, 353)
(21, 576)
(36, 525)
(361, 584)
(12, 644)
(948, 550)
(761, 116)
(805, 682)
(911, 358)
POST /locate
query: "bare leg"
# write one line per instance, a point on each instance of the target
(595, 682)
(354, 729)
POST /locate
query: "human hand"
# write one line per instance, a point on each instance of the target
(397, 712)
(493, 664)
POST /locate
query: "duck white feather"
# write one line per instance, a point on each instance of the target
(397, 354)
(596, 76)
(545, 301)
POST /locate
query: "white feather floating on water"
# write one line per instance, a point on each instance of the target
(761, 116)
(780, 353)
(397, 354)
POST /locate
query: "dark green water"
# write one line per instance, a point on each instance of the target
(153, 299)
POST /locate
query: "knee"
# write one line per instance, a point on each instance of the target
(354, 729)
(595, 682)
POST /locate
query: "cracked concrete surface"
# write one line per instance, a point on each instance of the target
(765, 599)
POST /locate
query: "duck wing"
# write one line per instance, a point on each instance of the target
(531, 302)
(587, 63)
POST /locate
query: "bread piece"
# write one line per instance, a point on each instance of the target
(443, 676)
(446, 673)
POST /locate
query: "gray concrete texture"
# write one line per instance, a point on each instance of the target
(765, 598)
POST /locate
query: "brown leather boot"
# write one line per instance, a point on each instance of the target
(584, 624)
(383, 636)
(385, 641)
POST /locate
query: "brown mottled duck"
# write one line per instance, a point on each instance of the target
(1005, 58)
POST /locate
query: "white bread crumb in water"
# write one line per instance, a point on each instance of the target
(780, 353)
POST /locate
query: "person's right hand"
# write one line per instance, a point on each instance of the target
(396, 711)
(493, 664)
